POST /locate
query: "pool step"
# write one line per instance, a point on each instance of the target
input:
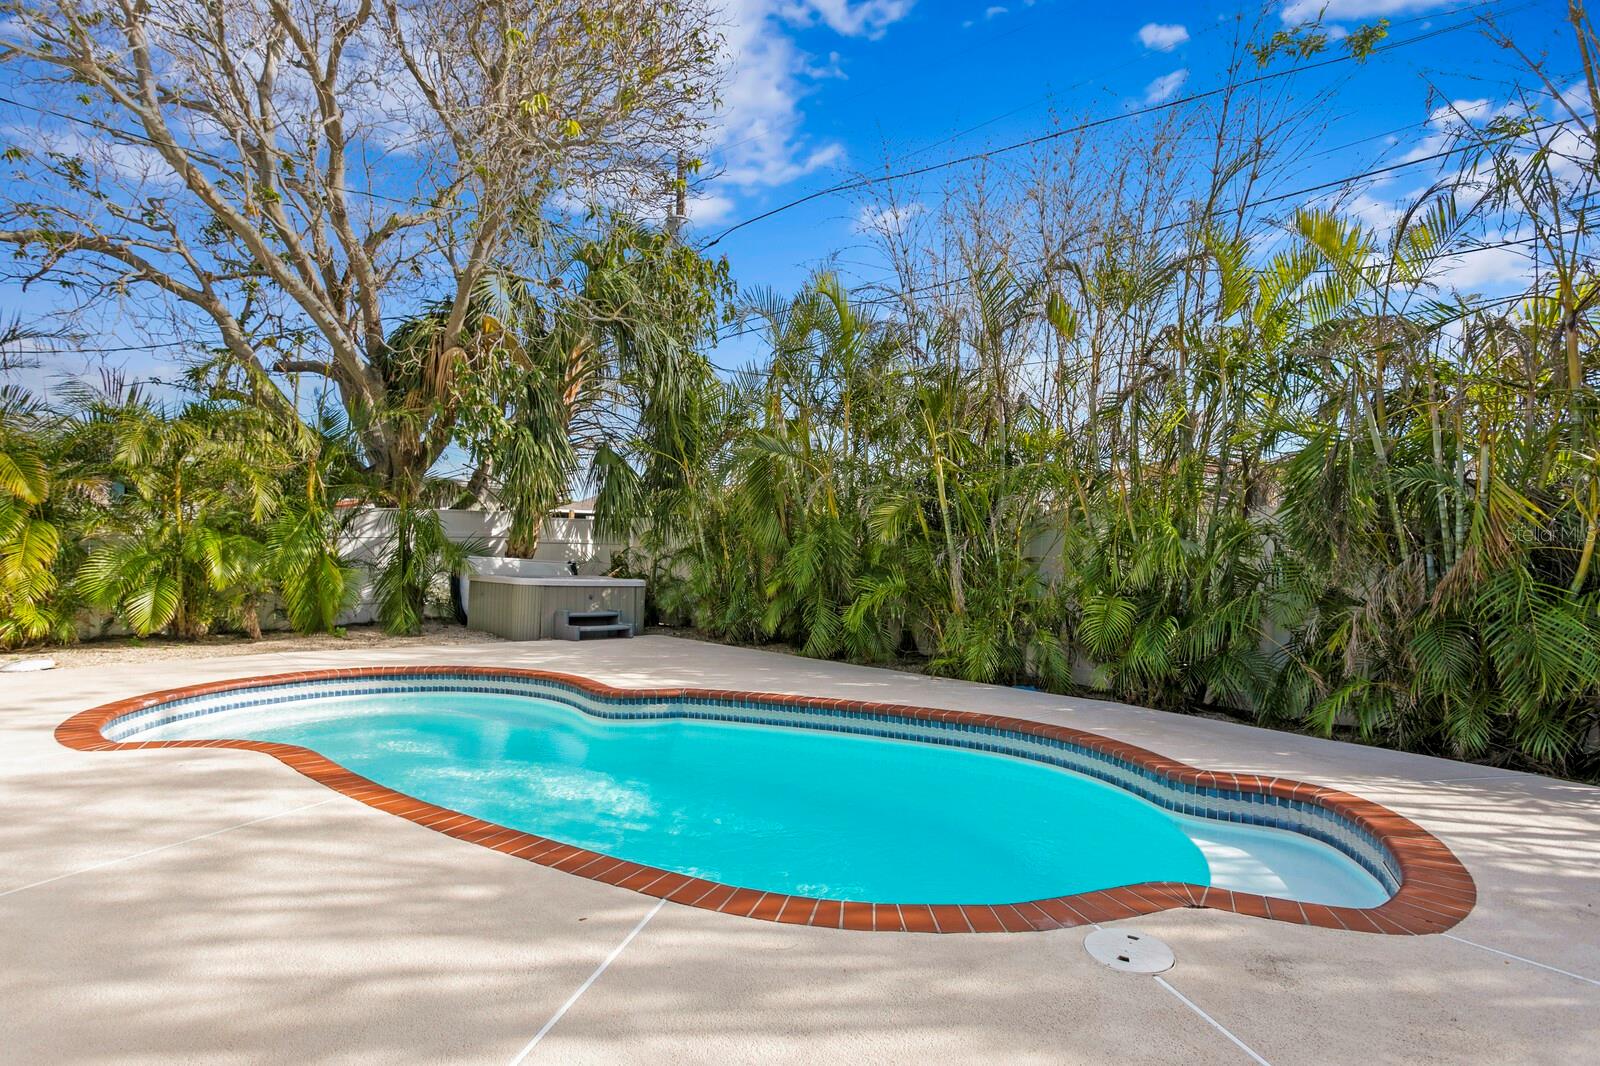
(591, 625)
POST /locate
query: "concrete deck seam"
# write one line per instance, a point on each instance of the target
(1218, 1026)
(1522, 958)
(1509, 775)
(527, 1049)
(165, 847)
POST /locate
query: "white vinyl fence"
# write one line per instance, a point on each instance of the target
(566, 537)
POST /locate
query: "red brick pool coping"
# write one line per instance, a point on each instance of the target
(1435, 893)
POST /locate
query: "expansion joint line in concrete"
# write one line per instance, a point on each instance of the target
(166, 847)
(527, 1049)
(1192, 1005)
(1522, 958)
(1218, 1026)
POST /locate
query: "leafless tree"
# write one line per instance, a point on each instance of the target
(304, 173)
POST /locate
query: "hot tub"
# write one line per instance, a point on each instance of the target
(523, 599)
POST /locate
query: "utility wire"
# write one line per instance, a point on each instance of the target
(129, 137)
(1142, 55)
(757, 373)
(895, 297)
(899, 295)
(1182, 101)
(876, 301)
(1182, 223)
(1213, 28)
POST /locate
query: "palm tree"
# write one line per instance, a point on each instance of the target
(174, 548)
(31, 529)
(315, 581)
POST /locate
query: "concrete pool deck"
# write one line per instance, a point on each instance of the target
(215, 906)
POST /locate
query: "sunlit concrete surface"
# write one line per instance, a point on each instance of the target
(217, 907)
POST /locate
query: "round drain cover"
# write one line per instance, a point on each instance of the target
(1129, 950)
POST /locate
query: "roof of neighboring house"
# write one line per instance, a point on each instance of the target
(575, 508)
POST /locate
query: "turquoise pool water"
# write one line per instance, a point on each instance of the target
(787, 810)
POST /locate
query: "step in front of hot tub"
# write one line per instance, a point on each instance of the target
(590, 625)
(617, 629)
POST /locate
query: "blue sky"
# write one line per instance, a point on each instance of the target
(821, 91)
(826, 90)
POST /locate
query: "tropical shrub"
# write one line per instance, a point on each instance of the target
(417, 555)
(174, 547)
(314, 579)
(32, 602)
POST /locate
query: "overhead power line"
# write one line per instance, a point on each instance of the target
(1499, 301)
(872, 301)
(1149, 109)
(966, 52)
(1197, 36)
(130, 137)
(1182, 223)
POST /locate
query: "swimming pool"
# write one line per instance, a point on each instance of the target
(781, 798)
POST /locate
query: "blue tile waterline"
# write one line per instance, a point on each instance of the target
(1060, 855)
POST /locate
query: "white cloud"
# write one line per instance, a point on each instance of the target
(1576, 97)
(133, 165)
(831, 67)
(995, 11)
(1377, 215)
(1569, 146)
(705, 206)
(1166, 86)
(568, 202)
(886, 220)
(1162, 37)
(1446, 122)
(708, 207)
(1460, 111)
(870, 18)
(761, 140)
(1491, 267)
(1380, 201)
(1297, 11)
(1489, 270)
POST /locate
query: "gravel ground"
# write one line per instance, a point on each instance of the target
(356, 638)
